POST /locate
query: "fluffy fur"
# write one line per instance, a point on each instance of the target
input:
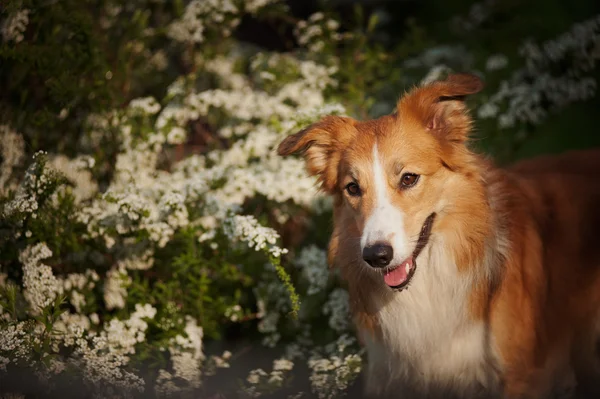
(505, 298)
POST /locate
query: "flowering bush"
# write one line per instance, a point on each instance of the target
(166, 222)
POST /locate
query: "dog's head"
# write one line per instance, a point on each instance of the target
(395, 179)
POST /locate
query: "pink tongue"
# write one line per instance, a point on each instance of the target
(396, 276)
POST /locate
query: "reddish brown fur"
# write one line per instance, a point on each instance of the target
(541, 298)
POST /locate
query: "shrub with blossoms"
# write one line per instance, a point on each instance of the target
(137, 236)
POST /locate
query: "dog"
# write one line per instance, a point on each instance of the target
(466, 280)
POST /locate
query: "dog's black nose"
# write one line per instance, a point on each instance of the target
(378, 255)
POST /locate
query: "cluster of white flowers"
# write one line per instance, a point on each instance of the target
(14, 26)
(103, 369)
(78, 172)
(496, 62)
(111, 12)
(144, 206)
(31, 187)
(316, 31)
(215, 362)
(246, 103)
(135, 201)
(253, 6)
(75, 283)
(137, 261)
(456, 57)
(12, 146)
(440, 61)
(40, 286)
(14, 341)
(333, 371)
(103, 356)
(533, 91)
(145, 105)
(202, 15)
(313, 261)
(186, 356)
(261, 381)
(272, 302)
(338, 309)
(159, 60)
(115, 288)
(247, 229)
(234, 313)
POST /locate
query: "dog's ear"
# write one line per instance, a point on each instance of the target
(440, 106)
(321, 144)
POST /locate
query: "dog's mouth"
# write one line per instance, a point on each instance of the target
(399, 276)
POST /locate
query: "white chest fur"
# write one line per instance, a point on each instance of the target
(430, 345)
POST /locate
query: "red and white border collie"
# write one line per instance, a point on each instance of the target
(465, 280)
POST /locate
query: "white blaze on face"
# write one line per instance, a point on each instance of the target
(385, 224)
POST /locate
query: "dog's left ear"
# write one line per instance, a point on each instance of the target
(440, 106)
(321, 144)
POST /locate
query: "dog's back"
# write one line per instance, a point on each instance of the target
(561, 194)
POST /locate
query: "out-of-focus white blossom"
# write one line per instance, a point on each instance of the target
(202, 15)
(115, 288)
(12, 146)
(186, 355)
(533, 91)
(252, 6)
(496, 62)
(313, 261)
(338, 309)
(14, 26)
(145, 105)
(333, 370)
(315, 32)
(77, 171)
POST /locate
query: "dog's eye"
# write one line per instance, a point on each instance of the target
(353, 189)
(408, 180)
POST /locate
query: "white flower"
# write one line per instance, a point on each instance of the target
(186, 355)
(283, 364)
(176, 135)
(15, 25)
(12, 146)
(496, 62)
(77, 171)
(252, 6)
(33, 185)
(40, 286)
(534, 90)
(247, 229)
(331, 374)
(115, 288)
(94, 318)
(338, 309)
(435, 73)
(313, 261)
(145, 105)
(201, 15)
(14, 340)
